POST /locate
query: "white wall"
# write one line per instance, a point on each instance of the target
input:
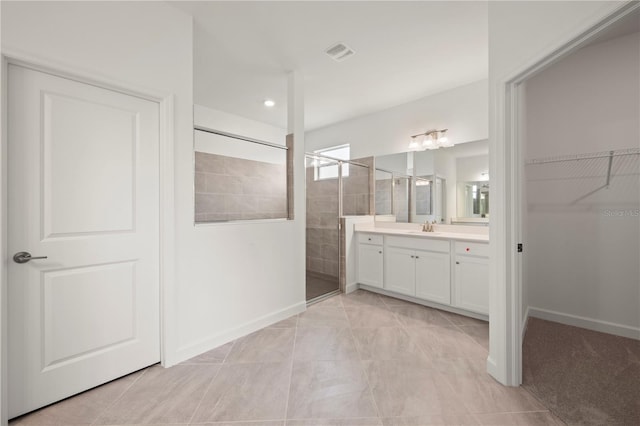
(520, 34)
(462, 110)
(239, 275)
(470, 169)
(148, 46)
(222, 145)
(582, 258)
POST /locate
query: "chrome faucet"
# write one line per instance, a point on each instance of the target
(427, 227)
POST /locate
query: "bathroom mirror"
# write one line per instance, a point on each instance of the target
(473, 199)
(435, 185)
(383, 192)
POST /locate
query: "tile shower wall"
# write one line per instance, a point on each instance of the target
(355, 191)
(400, 198)
(322, 216)
(322, 225)
(228, 188)
(383, 196)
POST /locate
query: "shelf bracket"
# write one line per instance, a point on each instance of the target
(609, 169)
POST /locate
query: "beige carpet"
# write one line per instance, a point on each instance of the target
(582, 376)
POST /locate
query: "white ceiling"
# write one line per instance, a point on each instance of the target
(404, 51)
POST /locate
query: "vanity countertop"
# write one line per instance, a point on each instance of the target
(417, 233)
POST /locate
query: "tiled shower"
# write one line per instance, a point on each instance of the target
(327, 200)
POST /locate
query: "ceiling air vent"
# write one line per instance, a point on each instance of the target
(339, 52)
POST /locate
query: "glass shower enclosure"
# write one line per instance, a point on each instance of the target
(335, 188)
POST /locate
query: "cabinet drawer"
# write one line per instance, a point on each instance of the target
(422, 243)
(370, 239)
(472, 249)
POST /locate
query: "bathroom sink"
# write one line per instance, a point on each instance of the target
(425, 233)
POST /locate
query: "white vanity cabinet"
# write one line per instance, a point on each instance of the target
(370, 260)
(418, 267)
(471, 276)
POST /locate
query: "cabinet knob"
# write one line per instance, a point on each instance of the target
(412, 256)
(370, 240)
(417, 257)
(380, 252)
(457, 263)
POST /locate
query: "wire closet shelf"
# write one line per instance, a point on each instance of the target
(589, 165)
(588, 156)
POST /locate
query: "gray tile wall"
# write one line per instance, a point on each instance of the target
(228, 188)
(383, 196)
(355, 191)
(323, 238)
(322, 225)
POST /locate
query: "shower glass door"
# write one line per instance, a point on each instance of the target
(323, 218)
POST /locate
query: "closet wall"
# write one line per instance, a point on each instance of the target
(582, 243)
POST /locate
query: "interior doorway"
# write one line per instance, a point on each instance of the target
(83, 220)
(511, 97)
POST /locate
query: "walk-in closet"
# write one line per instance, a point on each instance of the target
(581, 233)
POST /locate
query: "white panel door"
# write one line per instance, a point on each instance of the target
(472, 284)
(399, 270)
(433, 276)
(370, 264)
(83, 190)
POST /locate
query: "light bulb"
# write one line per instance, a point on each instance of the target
(269, 103)
(428, 142)
(413, 145)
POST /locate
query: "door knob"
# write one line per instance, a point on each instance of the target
(24, 257)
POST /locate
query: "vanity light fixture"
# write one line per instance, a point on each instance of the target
(433, 139)
(413, 145)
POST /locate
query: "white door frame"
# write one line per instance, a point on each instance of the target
(505, 360)
(165, 101)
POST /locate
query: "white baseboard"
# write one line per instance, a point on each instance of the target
(427, 303)
(212, 342)
(588, 323)
(492, 368)
(351, 288)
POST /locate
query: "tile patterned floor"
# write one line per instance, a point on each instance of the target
(355, 360)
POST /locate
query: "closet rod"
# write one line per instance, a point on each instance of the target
(563, 158)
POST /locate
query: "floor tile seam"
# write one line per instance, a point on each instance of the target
(116, 399)
(222, 422)
(293, 352)
(298, 419)
(459, 327)
(223, 363)
(460, 401)
(424, 351)
(366, 375)
(541, 402)
(483, 413)
(233, 345)
(206, 390)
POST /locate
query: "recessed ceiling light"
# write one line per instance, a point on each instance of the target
(269, 103)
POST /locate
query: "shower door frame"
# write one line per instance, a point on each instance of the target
(341, 282)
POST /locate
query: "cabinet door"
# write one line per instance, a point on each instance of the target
(472, 284)
(370, 261)
(400, 271)
(433, 276)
